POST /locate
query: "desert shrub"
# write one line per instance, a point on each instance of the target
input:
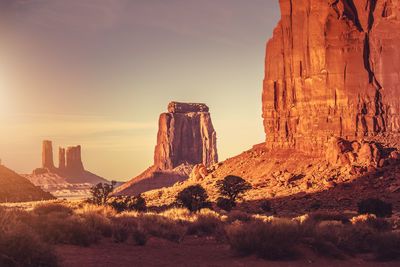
(266, 206)
(178, 214)
(52, 207)
(237, 215)
(233, 187)
(98, 223)
(329, 216)
(348, 238)
(65, 230)
(225, 204)
(159, 226)
(372, 221)
(101, 192)
(375, 206)
(274, 240)
(387, 246)
(128, 203)
(106, 211)
(205, 224)
(20, 245)
(193, 198)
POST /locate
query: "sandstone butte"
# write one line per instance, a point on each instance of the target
(186, 137)
(330, 106)
(70, 166)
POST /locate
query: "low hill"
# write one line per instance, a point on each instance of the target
(15, 188)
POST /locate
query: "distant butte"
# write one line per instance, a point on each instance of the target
(186, 137)
(70, 165)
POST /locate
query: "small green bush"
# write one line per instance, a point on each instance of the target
(233, 187)
(375, 206)
(193, 198)
(128, 203)
(225, 204)
(266, 206)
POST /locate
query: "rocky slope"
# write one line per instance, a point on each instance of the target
(332, 69)
(15, 188)
(331, 100)
(186, 137)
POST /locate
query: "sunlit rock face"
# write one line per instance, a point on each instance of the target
(186, 135)
(332, 69)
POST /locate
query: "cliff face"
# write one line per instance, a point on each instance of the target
(185, 135)
(332, 69)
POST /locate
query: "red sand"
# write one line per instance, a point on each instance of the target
(192, 252)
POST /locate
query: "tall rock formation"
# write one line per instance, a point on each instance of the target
(186, 137)
(47, 155)
(332, 69)
(74, 159)
(70, 167)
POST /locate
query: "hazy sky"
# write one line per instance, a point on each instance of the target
(99, 72)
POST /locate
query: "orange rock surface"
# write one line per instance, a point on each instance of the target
(332, 69)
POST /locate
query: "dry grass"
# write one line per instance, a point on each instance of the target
(273, 240)
(20, 245)
(26, 237)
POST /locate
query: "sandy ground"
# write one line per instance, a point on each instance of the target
(192, 252)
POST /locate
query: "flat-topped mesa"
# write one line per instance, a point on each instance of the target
(185, 135)
(74, 159)
(332, 69)
(178, 107)
(47, 155)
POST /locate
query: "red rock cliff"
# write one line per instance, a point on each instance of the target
(185, 135)
(332, 68)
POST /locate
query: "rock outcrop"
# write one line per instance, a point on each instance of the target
(186, 137)
(47, 155)
(332, 69)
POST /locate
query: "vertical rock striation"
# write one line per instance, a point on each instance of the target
(185, 135)
(332, 69)
(74, 159)
(47, 155)
(61, 159)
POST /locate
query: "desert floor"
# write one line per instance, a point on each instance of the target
(191, 252)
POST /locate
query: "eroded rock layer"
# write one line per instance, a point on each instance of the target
(332, 69)
(186, 135)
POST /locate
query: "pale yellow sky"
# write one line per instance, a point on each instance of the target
(99, 73)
